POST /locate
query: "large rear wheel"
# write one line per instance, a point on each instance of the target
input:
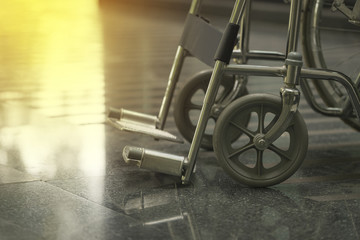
(330, 41)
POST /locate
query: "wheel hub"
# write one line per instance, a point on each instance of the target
(216, 111)
(260, 142)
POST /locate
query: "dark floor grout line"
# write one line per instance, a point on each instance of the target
(323, 179)
(321, 146)
(334, 197)
(21, 182)
(121, 212)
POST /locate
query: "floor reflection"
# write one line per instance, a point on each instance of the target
(164, 208)
(51, 58)
(216, 213)
(52, 88)
(52, 149)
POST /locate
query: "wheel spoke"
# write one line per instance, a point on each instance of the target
(243, 129)
(192, 106)
(279, 152)
(248, 146)
(261, 119)
(259, 162)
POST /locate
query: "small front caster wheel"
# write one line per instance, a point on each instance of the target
(189, 102)
(250, 159)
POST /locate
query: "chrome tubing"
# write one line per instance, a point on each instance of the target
(203, 118)
(309, 96)
(244, 34)
(210, 96)
(324, 74)
(294, 26)
(180, 55)
(290, 97)
(258, 54)
(171, 86)
(255, 70)
(195, 7)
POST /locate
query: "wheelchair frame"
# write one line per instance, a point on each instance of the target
(222, 47)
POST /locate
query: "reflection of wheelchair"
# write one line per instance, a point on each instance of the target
(259, 139)
(181, 213)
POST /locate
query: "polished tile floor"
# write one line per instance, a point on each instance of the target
(62, 176)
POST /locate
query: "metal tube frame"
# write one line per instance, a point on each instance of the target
(180, 55)
(209, 99)
(241, 55)
(290, 95)
(291, 71)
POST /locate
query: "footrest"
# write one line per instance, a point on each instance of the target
(125, 120)
(155, 160)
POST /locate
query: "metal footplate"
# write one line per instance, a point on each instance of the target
(130, 121)
(155, 160)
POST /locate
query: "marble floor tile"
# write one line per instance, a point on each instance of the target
(11, 175)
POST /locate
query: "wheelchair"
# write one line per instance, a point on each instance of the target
(259, 139)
